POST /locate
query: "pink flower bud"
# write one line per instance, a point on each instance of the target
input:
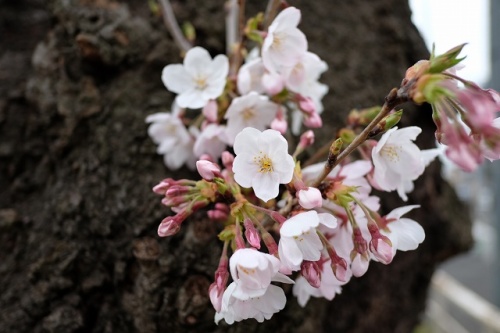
(306, 139)
(340, 271)
(382, 250)
(313, 121)
(311, 271)
(206, 157)
(217, 215)
(215, 296)
(208, 170)
(359, 265)
(279, 125)
(360, 244)
(251, 234)
(310, 198)
(306, 104)
(227, 160)
(222, 207)
(210, 111)
(169, 226)
(163, 186)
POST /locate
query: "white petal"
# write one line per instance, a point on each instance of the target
(266, 185)
(176, 79)
(410, 234)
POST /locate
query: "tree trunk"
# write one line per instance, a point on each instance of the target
(78, 244)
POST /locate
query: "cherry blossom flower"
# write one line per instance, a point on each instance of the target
(259, 308)
(173, 140)
(198, 80)
(398, 161)
(262, 162)
(284, 43)
(405, 234)
(299, 240)
(252, 110)
(250, 77)
(252, 271)
(211, 141)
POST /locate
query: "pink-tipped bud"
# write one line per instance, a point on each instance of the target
(382, 249)
(340, 270)
(217, 215)
(306, 104)
(227, 160)
(310, 198)
(311, 271)
(215, 296)
(222, 207)
(208, 170)
(163, 186)
(206, 157)
(313, 121)
(251, 234)
(176, 190)
(210, 111)
(360, 244)
(359, 265)
(169, 226)
(279, 125)
(306, 139)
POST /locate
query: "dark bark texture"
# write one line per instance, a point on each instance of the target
(78, 244)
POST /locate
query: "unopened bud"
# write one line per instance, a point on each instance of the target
(279, 125)
(306, 104)
(210, 111)
(387, 123)
(208, 170)
(169, 226)
(311, 271)
(359, 265)
(251, 234)
(306, 139)
(313, 120)
(310, 198)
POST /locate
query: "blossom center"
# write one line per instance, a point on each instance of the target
(200, 82)
(264, 162)
(391, 152)
(248, 114)
(278, 38)
(245, 270)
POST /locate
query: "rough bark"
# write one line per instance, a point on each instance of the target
(78, 244)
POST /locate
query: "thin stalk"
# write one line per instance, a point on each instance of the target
(173, 26)
(393, 99)
(271, 9)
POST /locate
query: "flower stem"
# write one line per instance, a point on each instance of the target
(394, 98)
(173, 26)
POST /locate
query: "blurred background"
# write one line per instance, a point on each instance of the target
(466, 290)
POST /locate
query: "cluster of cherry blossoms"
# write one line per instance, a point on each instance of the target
(317, 226)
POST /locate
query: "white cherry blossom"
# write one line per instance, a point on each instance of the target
(198, 80)
(299, 240)
(173, 139)
(250, 76)
(398, 161)
(259, 308)
(252, 110)
(284, 43)
(405, 234)
(252, 271)
(211, 141)
(262, 162)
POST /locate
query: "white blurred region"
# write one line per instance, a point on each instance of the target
(448, 23)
